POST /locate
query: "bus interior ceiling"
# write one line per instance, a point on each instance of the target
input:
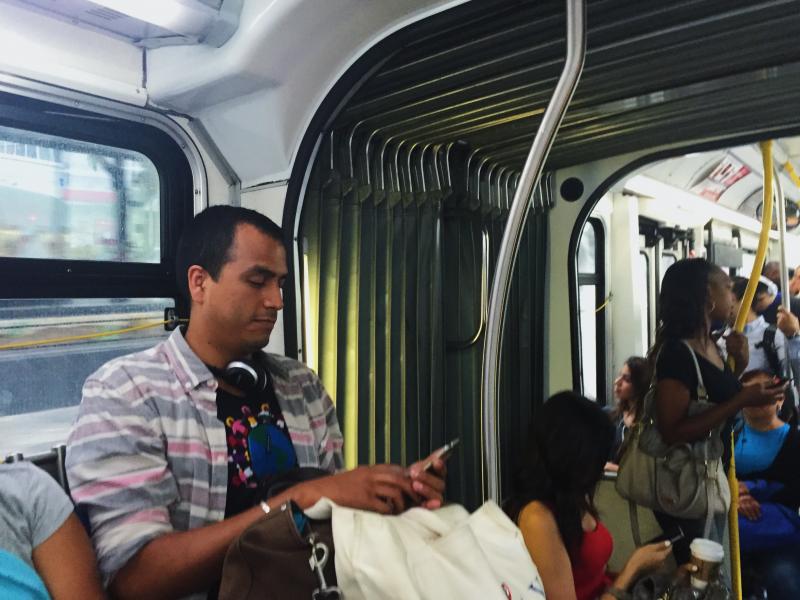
(399, 190)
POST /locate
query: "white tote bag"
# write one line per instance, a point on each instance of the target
(430, 555)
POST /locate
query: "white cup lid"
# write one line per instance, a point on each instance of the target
(707, 550)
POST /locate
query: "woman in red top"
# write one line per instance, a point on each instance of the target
(569, 441)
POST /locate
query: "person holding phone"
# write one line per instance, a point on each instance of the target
(168, 452)
(568, 441)
(695, 294)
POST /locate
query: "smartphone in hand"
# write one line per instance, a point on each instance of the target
(442, 453)
(672, 535)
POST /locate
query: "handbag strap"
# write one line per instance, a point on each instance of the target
(711, 482)
(701, 387)
(633, 513)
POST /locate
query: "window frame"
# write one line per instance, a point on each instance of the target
(598, 280)
(63, 278)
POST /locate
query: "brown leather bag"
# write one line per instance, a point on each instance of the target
(271, 560)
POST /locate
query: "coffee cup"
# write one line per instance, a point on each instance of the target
(707, 556)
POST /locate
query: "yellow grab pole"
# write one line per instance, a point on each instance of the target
(741, 318)
(787, 166)
(763, 240)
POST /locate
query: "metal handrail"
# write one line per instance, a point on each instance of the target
(565, 88)
(468, 343)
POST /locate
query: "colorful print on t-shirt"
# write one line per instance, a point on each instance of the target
(258, 440)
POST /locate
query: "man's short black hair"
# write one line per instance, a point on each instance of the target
(740, 285)
(208, 238)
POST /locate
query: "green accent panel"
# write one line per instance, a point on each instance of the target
(348, 352)
(394, 284)
(330, 232)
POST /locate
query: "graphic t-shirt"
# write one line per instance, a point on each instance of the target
(258, 442)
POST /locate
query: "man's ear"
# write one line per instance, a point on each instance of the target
(198, 279)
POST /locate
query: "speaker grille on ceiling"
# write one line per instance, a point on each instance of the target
(107, 14)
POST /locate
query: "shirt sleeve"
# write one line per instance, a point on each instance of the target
(118, 473)
(330, 450)
(50, 506)
(675, 362)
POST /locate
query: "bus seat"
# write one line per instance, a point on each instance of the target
(53, 463)
(614, 514)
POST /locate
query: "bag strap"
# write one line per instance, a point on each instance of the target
(633, 513)
(701, 388)
(709, 492)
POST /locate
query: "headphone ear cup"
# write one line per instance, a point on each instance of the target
(246, 376)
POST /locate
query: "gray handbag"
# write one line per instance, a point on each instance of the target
(683, 480)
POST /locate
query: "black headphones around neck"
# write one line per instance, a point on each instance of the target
(248, 375)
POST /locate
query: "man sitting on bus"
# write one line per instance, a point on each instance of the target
(167, 453)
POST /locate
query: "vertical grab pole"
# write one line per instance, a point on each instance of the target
(785, 295)
(518, 212)
(741, 318)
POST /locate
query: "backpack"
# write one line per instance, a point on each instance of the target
(767, 344)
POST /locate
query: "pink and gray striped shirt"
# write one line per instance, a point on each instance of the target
(148, 456)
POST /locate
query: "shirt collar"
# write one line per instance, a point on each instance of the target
(189, 369)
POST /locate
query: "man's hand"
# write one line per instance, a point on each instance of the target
(383, 489)
(429, 485)
(737, 347)
(787, 322)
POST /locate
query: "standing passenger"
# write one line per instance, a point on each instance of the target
(772, 272)
(167, 453)
(766, 343)
(794, 282)
(695, 293)
(552, 503)
(770, 349)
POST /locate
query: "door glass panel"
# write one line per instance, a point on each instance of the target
(587, 295)
(587, 251)
(642, 279)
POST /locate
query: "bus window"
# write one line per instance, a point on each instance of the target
(748, 259)
(65, 199)
(667, 260)
(91, 208)
(591, 298)
(47, 380)
(643, 283)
